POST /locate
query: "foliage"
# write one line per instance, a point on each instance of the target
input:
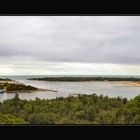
(12, 87)
(10, 119)
(83, 109)
(5, 79)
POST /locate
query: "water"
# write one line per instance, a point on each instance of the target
(67, 88)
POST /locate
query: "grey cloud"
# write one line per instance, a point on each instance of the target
(71, 39)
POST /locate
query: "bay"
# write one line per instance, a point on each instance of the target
(68, 88)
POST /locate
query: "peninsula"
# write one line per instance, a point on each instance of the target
(12, 86)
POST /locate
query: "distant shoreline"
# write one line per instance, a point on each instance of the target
(30, 91)
(81, 79)
(9, 81)
(114, 80)
(131, 83)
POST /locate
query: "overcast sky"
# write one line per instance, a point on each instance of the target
(31, 45)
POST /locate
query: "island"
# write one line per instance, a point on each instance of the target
(76, 79)
(17, 87)
(12, 86)
(4, 80)
(115, 80)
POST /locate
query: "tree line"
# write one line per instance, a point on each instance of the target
(71, 79)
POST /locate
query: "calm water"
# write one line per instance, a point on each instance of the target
(66, 88)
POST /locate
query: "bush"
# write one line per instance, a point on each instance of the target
(10, 119)
(41, 118)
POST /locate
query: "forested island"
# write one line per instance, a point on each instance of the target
(15, 87)
(5, 79)
(76, 79)
(12, 86)
(83, 109)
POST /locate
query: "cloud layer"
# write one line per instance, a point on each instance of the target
(68, 39)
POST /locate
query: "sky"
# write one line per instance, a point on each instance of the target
(73, 45)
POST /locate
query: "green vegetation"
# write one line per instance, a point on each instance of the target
(6, 79)
(83, 109)
(73, 79)
(10, 119)
(12, 87)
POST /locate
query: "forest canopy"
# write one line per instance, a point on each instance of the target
(83, 109)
